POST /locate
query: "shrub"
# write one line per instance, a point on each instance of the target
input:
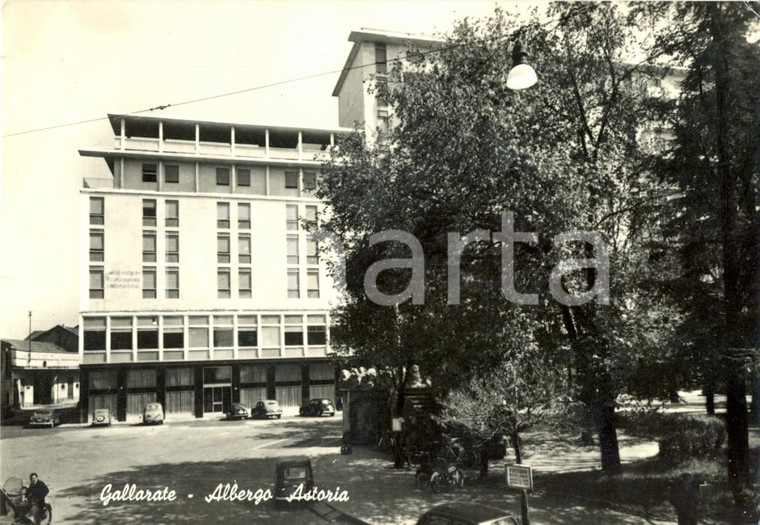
(686, 437)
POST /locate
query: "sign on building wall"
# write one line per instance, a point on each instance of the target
(123, 279)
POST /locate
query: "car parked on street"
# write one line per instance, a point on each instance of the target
(45, 418)
(266, 409)
(101, 416)
(237, 411)
(464, 513)
(317, 407)
(153, 413)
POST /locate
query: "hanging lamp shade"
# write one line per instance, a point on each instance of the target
(522, 75)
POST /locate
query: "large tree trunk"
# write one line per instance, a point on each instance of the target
(710, 398)
(608, 439)
(755, 409)
(515, 439)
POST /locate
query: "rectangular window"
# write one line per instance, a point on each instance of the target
(149, 172)
(96, 282)
(149, 283)
(147, 333)
(243, 177)
(293, 335)
(294, 288)
(244, 249)
(223, 248)
(172, 247)
(174, 333)
(381, 59)
(247, 337)
(222, 214)
(291, 180)
(312, 284)
(223, 284)
(244, 216)
(310, 218)
(316, 335)
(312, 251)
(171, 173)
(149, 212)
(309, 181)
(172, 214)
(96, 245)
(95, 333)
(291, 217)
(121, 333)
(292, 249)
(149, 247)
(222, 176)
(97, 210)
(172, 283)
(244, 284)
(223, 337)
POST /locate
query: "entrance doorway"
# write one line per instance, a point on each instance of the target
(216, 398)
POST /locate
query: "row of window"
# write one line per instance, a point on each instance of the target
(172, 335)
(223, 176)
(149, 288)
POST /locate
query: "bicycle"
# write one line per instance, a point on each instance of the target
(387, 442)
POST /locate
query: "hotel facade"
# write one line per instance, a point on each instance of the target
(203, 284)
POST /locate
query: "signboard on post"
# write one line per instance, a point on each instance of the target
(519, 477)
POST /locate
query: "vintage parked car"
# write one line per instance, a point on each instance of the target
(237, 411)
(317, 407)
(266, 409)
(101, 416)
(464, 513)
(153, 413)
(45, 418)
(288, 475)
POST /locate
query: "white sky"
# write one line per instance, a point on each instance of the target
(66, 61)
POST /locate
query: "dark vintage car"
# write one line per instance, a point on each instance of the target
(266, 409)
(289, 474)
(101, 416)
(237, 411)
(45, 418)
(317, 407)
(153, 413)
(464, 513)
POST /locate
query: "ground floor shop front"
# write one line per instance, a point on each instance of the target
(203, 388)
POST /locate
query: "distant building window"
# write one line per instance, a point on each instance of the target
(223, 284)
(294, 288)
(149, 212)
(248, 337)
(292, 249)
(172, 283)
(223, 337)
(309, 182)
(96, 282)
(244, 249)
(149, 247)
(312, 284)
(310, 217)
(172, 247)
(291, 180)
(94, 333)
(222, 215)
(149, 172)
(222, 176)
(244, 216)
(171, 173)
(96, 211)
(121, 333)
(149, 283)
(381, 59)
(312, 251)
(293, 335)
(223, 248)
(316, 335)
(172, 214)
(96, 245)
(244, 284)
(291, 217)
(243, 177)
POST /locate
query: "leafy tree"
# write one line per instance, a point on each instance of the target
(564, 155)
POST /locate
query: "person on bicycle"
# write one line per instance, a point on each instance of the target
(35, 494)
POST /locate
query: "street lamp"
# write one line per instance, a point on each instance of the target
(522, 75)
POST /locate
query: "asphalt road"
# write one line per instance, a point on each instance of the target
(193, 458)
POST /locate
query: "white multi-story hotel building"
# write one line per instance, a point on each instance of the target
(202, 284)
